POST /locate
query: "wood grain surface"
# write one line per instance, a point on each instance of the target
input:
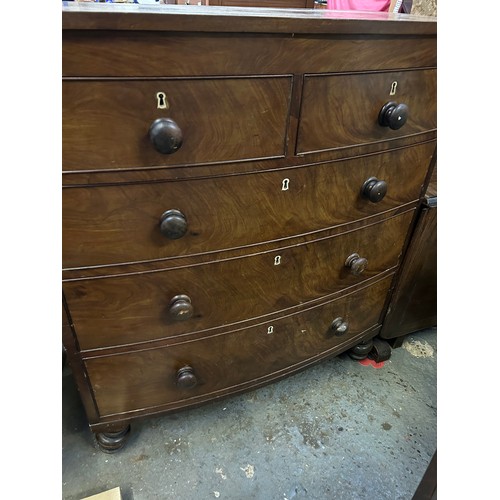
(173, 172)
(342, 110)
(106, 124)
(160, 54)
(261, 96)
(413, 305)
(224, 364)
(134, 308)
(118, 224)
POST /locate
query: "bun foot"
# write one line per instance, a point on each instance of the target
(361, 350)
(111, 442)
(381, 350)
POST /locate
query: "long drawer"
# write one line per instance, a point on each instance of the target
(227, 363)
(343, 110)
(145, 306)
(107, 124)
(123, 223)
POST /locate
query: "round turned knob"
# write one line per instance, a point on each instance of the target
(339, 326)
(165, 135)
(393, 115)
(374, 190)
(180, 308)
(173, 224)
(186, 379)
(356, 264)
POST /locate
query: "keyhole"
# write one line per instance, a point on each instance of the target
(285, 184)
(162, 100)
(270, 329)
(277, 260)
(393, 88)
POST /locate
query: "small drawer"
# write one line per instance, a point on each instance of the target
(163, 303)
(123, 124)
(136, 222)
(189, 373)
(344, 110)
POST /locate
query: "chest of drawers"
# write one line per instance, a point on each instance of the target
(239, 187)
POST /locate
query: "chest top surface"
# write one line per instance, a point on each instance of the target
(240, 19)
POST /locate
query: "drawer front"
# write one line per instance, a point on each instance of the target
(227, 363)
(343, 110)
(106, 125)
(153, 54)
(126, 309)
(117, 224)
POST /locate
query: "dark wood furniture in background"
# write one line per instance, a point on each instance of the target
(427, 488)
(238, 193)
(413, 304)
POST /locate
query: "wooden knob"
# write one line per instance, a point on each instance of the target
(165, 135)
(173, 224)
(356, 264)
(374, 189)
(393, 115)
(339, 326)
(186, 379)
(180, 308)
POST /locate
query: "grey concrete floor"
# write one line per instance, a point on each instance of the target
(338, 430)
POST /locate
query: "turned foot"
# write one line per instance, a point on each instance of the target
(361, 351)
(111, 442)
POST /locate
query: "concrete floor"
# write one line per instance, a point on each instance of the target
(338, 430)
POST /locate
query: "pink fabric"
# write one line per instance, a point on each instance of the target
(371, 5)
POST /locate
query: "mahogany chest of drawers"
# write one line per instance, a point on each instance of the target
(239, 186)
